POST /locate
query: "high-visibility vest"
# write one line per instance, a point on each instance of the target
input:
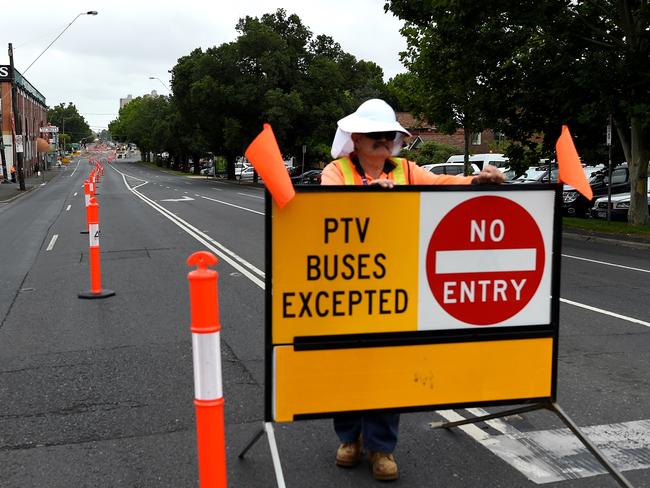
(352, 177)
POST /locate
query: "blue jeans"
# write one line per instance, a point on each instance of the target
(379, 430)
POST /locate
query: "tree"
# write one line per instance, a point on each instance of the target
(455, 71)
(548, 63)
(72, 125)
(276, 72)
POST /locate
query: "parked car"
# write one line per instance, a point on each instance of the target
(450, 168)
(247, 175)
(494, 159)
(575, 204)
(620, 206)
(311, 177)
(538, 174)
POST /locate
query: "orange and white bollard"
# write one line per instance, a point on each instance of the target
(87, 192)
(96, 291)
(208, 387)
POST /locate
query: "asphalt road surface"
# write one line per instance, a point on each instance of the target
(100, 392)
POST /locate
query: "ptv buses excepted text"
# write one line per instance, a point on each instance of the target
(345, 267)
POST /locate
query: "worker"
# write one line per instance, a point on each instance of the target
(365, 148)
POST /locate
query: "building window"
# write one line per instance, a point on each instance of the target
(476, 139)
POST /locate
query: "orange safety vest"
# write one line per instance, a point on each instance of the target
(352, 177)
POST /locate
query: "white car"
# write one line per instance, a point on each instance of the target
(620, 206)
(247, 175)
(480, 160)
(450, 168)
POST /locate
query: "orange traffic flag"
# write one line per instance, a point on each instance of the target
(571, 171)
(265, 155)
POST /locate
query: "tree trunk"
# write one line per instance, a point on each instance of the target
(466, 165)
(638, 166)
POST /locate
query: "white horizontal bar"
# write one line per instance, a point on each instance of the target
(485, 260)
(206, 352)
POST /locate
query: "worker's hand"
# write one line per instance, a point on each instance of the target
(489, 174)
(383, 182)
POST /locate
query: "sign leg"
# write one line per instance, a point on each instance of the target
(473, 420)
(590, 447)
(275, 455)
(252, 442)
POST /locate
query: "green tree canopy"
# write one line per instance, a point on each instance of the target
(527, 67)
(72, 125)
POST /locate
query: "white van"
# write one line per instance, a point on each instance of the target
(480, 160)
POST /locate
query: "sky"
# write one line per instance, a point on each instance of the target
(100, 59)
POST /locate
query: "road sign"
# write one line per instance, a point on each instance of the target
(448, 291)
(609, 134)
(485, 260)
(19, 143)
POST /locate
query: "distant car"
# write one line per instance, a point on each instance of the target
(247, 174)
(480, 160)
(575, 204)
(207, 171)
(620, 206)
(451, 168)
(538, 174)
(311, 177)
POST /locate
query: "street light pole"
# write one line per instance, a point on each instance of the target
(161, 82)
(90, 12)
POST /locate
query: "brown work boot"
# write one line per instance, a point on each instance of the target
(348, 454)
(384, 467)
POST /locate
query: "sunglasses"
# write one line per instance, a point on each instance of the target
(377, 136)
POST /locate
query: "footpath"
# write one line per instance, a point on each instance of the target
(11, 191)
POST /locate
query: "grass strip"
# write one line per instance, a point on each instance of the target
(602, 226)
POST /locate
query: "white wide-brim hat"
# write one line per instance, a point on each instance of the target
(374, 115)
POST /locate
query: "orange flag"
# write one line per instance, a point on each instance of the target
(265, 155)
(571, 171)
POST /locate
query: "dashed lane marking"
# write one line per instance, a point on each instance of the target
(249, 195)
(50, 246)
(68, 208)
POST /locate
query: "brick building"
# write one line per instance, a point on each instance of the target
(423, 131)
(32, 111)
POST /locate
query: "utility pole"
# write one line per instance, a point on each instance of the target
(18, 121)
(609, 170)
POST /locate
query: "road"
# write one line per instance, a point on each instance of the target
(99, 392)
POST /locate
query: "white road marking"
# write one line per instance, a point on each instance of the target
(182, 199)
(555, 455)
(246, 194)
(68, 208)
(233, 205)
(606, 263)
(236, 261)
(75, 169)
(75, 194)
(605, 312)
(50, 246)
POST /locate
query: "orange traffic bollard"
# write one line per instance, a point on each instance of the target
(96, 291)
(87, 192)
(208, 387)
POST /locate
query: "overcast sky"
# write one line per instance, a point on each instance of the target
(103, 58)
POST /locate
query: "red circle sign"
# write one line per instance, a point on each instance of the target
(485, 260)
